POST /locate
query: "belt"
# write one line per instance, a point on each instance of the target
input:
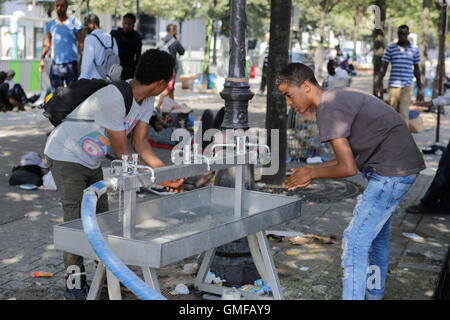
(64, 64)
(367, 170)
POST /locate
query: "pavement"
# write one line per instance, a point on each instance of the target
(310, 271)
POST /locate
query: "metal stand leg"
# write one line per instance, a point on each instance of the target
(113, 286)
(204, 267)
(239, 191)
(150, 278)
(257, 256)
(270, 265)
(97, 282)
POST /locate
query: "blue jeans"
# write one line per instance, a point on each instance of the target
(365, 244)
(63, 73)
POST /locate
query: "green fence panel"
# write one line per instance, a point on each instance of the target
(34, 76)
(15, 65)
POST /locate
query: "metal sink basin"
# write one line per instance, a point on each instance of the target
(179, 226)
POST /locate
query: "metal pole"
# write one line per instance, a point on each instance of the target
(240, 269)
(236, 92)
(441, 64)
(215, 49)
(138, 13)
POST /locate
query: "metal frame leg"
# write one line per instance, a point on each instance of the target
(204, 267)
(257, 256)
(239, 191)
(97, 282)
(270, 265)
(151, 278)
(113, 286)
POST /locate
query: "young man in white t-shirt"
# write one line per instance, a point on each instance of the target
(74, 149)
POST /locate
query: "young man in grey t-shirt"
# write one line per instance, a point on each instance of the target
(369, 136)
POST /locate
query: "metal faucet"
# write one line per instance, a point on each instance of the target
(131, 167)
(196, 155)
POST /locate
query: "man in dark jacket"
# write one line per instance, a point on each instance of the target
(170, 44)
(130, 45)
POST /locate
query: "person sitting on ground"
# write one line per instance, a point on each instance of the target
(7, 103)
(335, 72)
(15, 89)
(159, 132)
(348, 67)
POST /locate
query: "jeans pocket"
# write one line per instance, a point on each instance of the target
(399, 190)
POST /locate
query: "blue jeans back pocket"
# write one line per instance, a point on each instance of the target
(399, 190)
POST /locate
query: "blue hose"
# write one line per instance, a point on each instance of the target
(111, 261)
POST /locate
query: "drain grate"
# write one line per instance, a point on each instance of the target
(319, 191)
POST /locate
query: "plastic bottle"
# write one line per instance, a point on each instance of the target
(40, 274)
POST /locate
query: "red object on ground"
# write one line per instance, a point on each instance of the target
(159, 145)
(40, 274)
(163, 146)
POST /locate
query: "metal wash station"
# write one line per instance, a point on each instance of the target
(158, 232)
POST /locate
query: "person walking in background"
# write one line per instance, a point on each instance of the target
(129, 42)
(95, 49)
(171, 44)
(65, 36)
(404, 57)
(264, 54)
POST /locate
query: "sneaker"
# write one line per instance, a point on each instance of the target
(76, 294)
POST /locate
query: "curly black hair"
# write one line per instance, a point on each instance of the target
(154, 65)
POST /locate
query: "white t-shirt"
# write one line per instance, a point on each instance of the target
(11, 83)
(340, 74)
(87, 143)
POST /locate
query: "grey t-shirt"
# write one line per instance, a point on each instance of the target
(87, 143)
(378, 136)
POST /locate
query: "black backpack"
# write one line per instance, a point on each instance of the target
(66, 99)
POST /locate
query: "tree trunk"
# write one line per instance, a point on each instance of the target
(378, 44)
(85, 9)
(357, 20)
(278, 58)
(320, 48)
(423, 45)
(209, 31)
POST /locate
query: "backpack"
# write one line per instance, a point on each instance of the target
(66, 99)
(110, 67)
(164, 46)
